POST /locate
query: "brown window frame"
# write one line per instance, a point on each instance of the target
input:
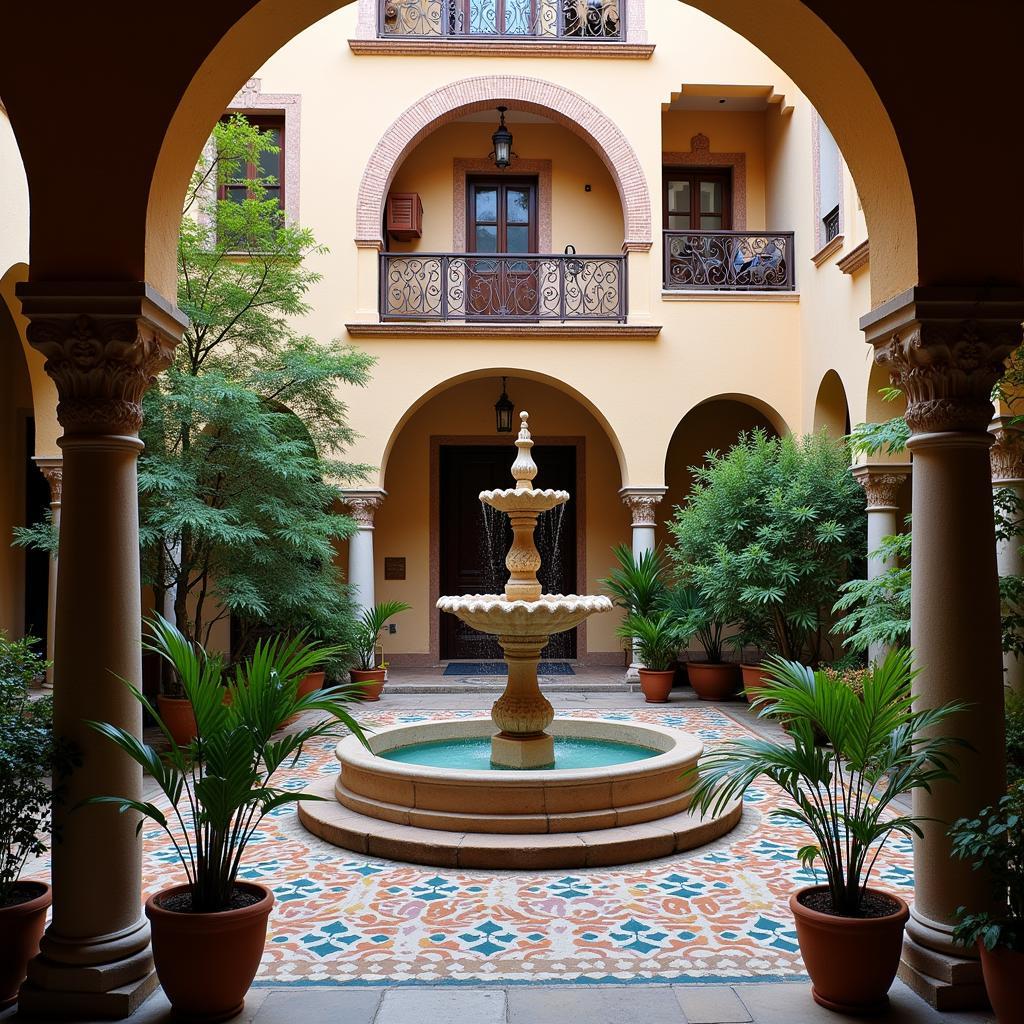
(475, 181)
(695, 175)
(263, 122)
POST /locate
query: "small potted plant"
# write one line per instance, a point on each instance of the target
(209, 932)
(878, 750)
(994, 842)
(714, 678)
(366, 637)
(656, 641)
(29, 756)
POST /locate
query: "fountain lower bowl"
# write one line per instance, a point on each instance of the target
(550, 613)
(494, 818)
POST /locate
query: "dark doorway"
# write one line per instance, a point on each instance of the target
(474, 538)
(37, 563)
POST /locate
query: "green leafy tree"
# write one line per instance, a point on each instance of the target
(239, 482)
(768, 533)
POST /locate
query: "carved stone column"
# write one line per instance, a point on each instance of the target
(362, 507)
(52, 469)
(103, 345)
(881, 483)
(946, 349)
(1007, 458)
(642, 503)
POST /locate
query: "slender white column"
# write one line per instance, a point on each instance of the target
(363, 507)
(881, 483)
(52, 468)
(1007, 458)
(945, 348)
(103, 346)
(642, 503)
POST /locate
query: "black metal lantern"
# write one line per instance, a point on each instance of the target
(502, 142)
(503, 410)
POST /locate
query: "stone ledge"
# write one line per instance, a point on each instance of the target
(859, 256)
(830, 248)
(512, 330)
(499, 48)
(707, 295)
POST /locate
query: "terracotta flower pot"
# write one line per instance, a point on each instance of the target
(372, 681)
(178, 716)
(714, 680)
(308, 684)
(852, 961)
(754, 680)
(21, 928)
(656, 686)
(1003, 969)
(206, 962)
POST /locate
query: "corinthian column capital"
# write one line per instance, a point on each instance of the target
(52, 468)
(882, 483)
(104, 344)
(363, 505)
(642, 503)
(1007, 451)
(945, 348)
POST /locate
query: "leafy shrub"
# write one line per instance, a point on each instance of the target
(656, 637)
(636, 584)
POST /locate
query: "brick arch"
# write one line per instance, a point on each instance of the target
(468, 95)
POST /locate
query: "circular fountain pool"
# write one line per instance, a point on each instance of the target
(571, 752)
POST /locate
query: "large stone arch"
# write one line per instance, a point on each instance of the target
(483, 92)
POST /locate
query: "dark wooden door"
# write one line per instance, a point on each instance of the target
(501, 218)
(474, 538)
(696, 200)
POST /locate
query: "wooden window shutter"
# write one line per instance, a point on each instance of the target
(404, 215)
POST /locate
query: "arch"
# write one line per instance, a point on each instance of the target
(831, 408)
(759, 405)
(501, 371)
(534, 95)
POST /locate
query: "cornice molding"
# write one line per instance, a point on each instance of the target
(859, 256)
(500, 48)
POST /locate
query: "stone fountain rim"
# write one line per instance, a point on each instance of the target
(528, 492)
(487, 602)
(685, 749)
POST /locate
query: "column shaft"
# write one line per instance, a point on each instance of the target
(363, 507)
(1007, 457)
(642, 503)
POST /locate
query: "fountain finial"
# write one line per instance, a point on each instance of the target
(524, 469)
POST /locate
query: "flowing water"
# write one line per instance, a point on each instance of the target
(475, 753)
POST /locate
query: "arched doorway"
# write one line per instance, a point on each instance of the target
(831, 410)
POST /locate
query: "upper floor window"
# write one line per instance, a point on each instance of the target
(502, 19)
(829, 185)
(269, 170)
(696, 199)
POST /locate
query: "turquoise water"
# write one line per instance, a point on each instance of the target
(475, 753)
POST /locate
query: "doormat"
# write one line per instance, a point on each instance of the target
(499, 668)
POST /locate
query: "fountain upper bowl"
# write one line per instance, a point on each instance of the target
(551, 613)
(529, 500)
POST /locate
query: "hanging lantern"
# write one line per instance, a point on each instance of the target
(503, 410)
(502, 141)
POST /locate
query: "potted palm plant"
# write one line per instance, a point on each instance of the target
(879, 749)
(656, 640)
(369, 674)
(714, 678)
(994, 842)
(29, 756)
(209, 932)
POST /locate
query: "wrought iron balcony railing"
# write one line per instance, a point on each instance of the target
(502, 288)
(729, 261)
(501, 19)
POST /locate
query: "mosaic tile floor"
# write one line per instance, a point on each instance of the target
(718, 913)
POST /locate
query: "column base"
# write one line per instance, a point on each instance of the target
(107, 991)
(944, 981)
(528, 752)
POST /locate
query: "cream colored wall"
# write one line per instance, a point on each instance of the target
(401, 525)
(592, 221)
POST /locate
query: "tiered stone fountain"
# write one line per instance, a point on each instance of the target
(540, 792)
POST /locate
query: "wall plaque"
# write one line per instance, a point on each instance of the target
(394, 568)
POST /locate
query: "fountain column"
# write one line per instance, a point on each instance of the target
(641, 502)
(363, 507)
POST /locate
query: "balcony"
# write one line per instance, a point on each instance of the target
(550, 20)
(500, 289)
(741, 261)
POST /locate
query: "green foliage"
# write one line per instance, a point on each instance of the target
(239, 483)
(878, 610)
(41, 536)
(1014, 738)
(636, 584)
(768, 533)
(29, 755)
(694, 618)
(656, 638)
(891, 436)
(220, 786)
(994, 842)
(367, 630)
(878, 750)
